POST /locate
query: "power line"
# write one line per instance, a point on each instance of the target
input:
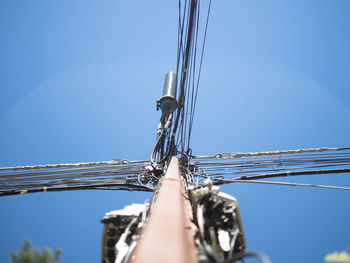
(259, 163)
(220, 156)
(67, 187)
(194, 97)
(115, 174)
(140, 175)
(295, 173)
(225, 181)
(72, 165)
(245, 167)
(189, 21)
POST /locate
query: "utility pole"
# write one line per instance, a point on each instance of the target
(168, 235)
(182, 223)
(186, 220)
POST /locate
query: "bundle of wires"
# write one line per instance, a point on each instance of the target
(141, 176)
(250, 167)
(190, 34)
(108, 175)
(172, 138)
(159, 152)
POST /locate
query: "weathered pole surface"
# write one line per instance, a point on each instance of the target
(167, 236)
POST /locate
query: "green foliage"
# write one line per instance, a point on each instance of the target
(338, 257)
(28, 254)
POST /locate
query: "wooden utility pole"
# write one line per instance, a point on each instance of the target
(167, 236)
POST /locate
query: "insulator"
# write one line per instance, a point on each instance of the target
(167, 103)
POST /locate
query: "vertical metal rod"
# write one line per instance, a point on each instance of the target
(167, 236)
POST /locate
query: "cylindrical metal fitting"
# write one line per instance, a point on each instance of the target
(170, 84)
(168, 102)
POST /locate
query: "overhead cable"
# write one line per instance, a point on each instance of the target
(190, 75)
(220, 181)
(221, 156)
(96, 175)
(256, 165)
(196, 86)
(72, 165)
(69, 187)
(263, 165)
(184, 67)
(294, 173)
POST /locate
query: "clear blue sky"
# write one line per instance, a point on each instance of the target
(79, 81)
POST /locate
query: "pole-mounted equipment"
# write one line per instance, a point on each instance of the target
(167, 103)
